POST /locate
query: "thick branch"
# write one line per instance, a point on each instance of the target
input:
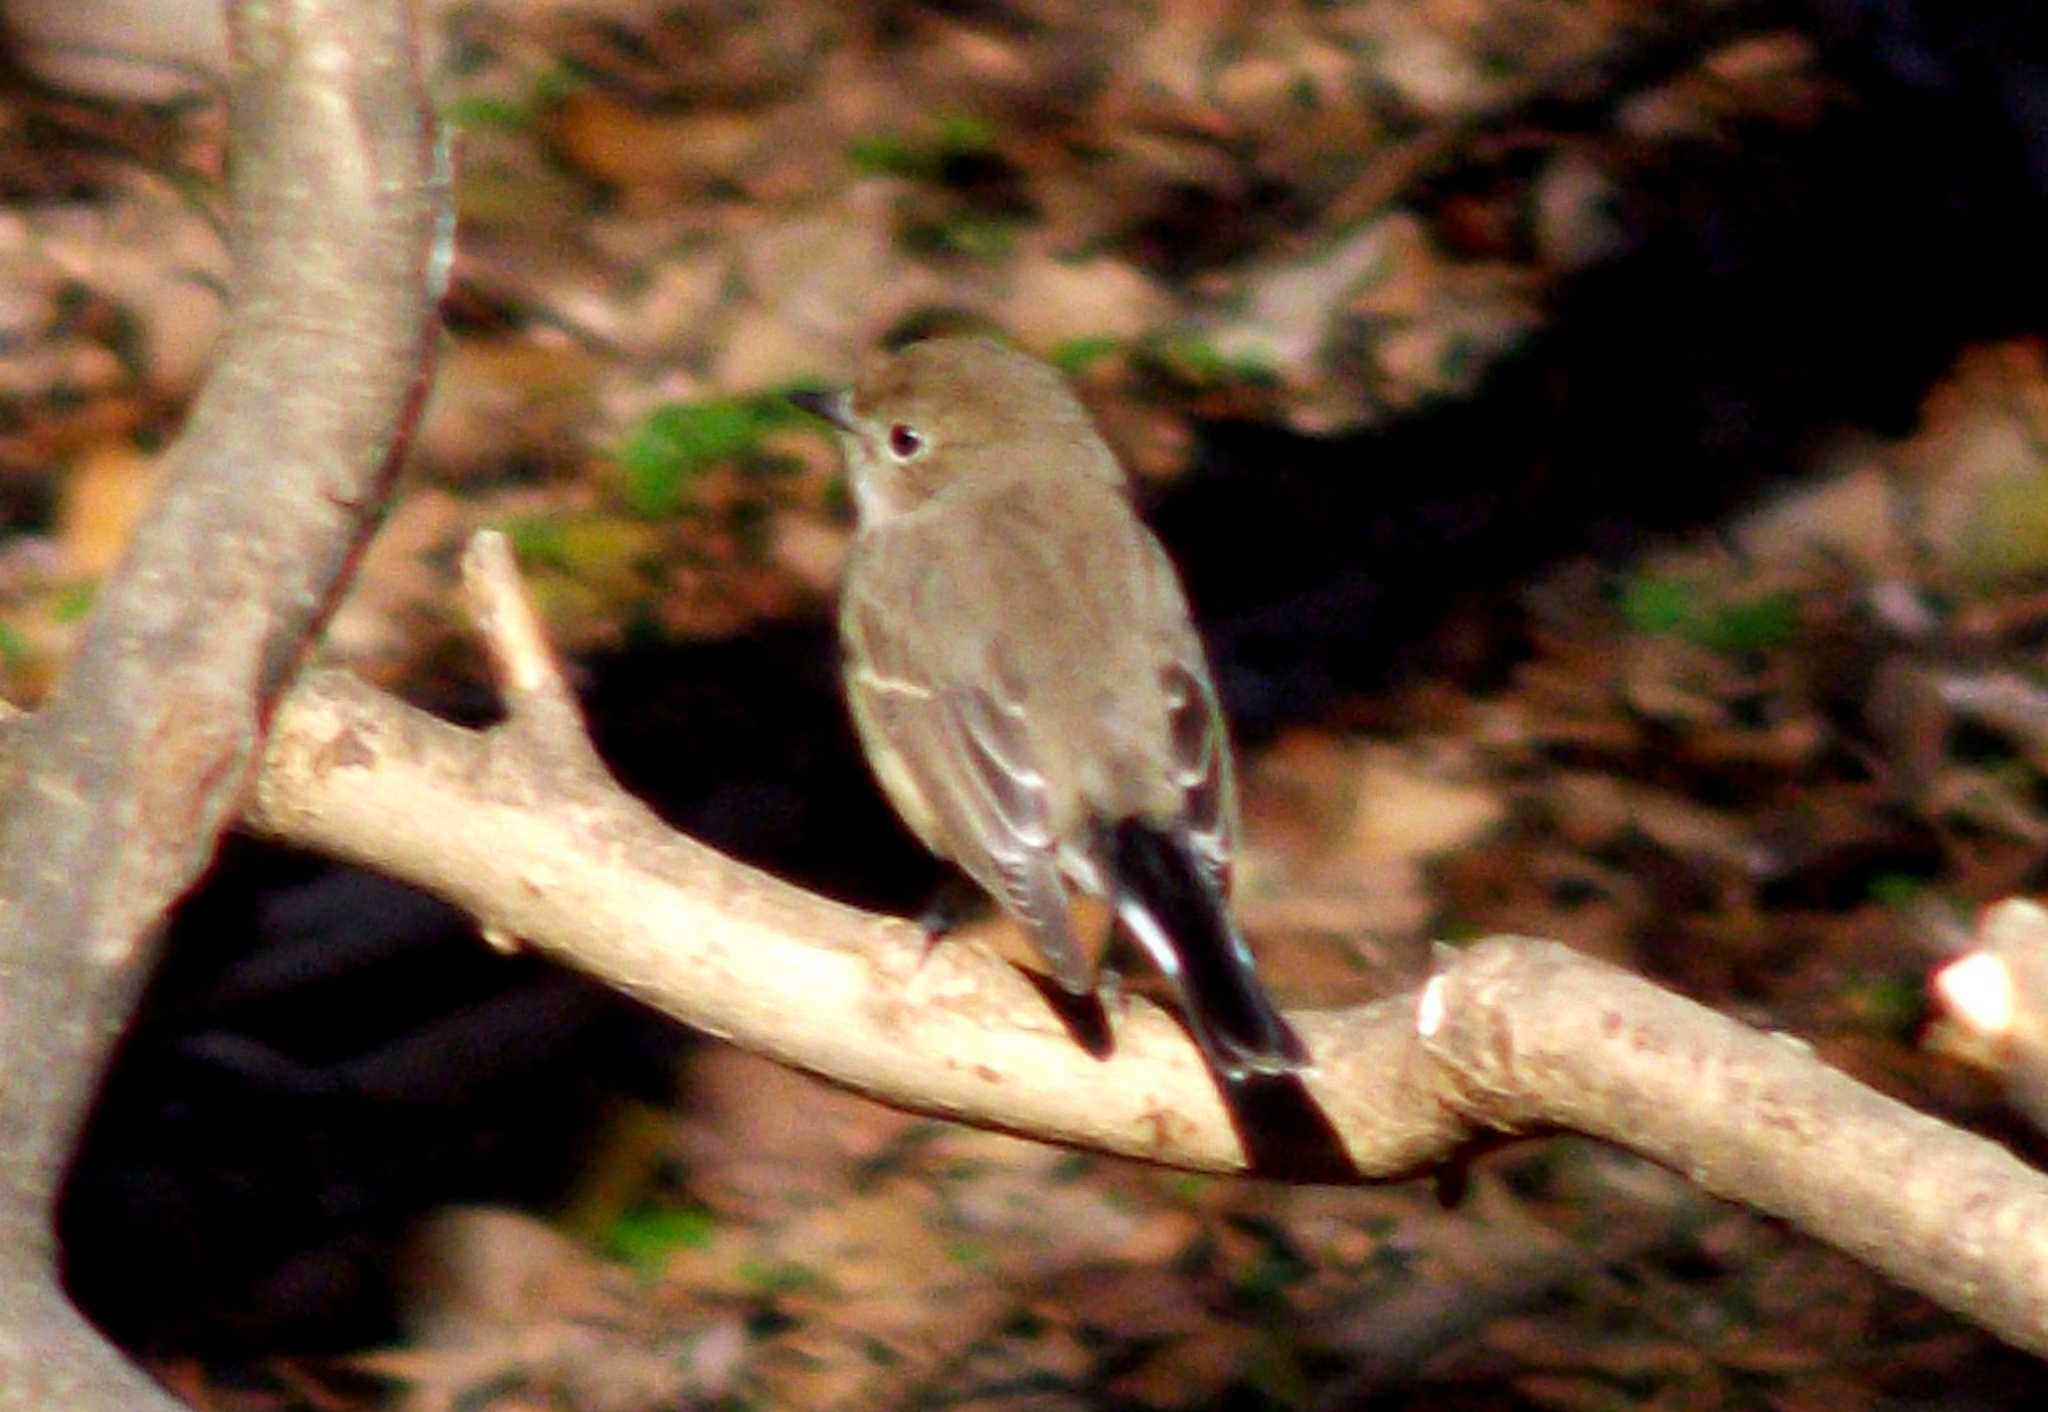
(112, 796)
(521, 827)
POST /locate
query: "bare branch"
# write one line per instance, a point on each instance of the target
(1538, 1036)
(520, 826)
(112, 796)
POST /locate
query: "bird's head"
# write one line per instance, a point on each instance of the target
(954, 411)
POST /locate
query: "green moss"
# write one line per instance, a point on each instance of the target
(964, 134)
(485, 113)
(1678, 608)
(1191, 358)
(1896, 889)
(923, 153)
(779, 1276)
(555, 83)
(887, 156)
(667, 454)
(580, 545)
(1659, 605)
(976, 237)
(1076, 355)
(73, 603)
(973, 1254)
(645, 1238)
(1756, 625)
(1889, 1004)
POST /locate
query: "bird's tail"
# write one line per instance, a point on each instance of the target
(1168, 904)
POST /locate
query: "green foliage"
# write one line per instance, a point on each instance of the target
(555, 83)
(965, 134)
(1076, 355)
(645, 1238)
(773, 1277)
(14, 648)
(492, 112)
(1756, 625)
(1677, 608)
(1659, 605)
(582, 546)
(486, 113)
(1193, 359)
(886, 156)
(973, 1254)
(1889, 1004)
(73, 603)
(667, 454)
(922, 155)
(1896, 889)
(976, 237)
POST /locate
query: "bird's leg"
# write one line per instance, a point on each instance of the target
(1109, 991)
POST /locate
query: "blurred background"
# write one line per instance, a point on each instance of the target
(1607, 447)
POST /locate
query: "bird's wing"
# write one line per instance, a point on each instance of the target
(955, 755)
(1199, 748)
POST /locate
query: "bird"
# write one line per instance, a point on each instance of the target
(1028, 685)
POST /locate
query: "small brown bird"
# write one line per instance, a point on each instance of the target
(1027, 684)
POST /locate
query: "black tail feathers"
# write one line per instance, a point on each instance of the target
(1167, 903)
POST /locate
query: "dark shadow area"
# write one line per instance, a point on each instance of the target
(1778, 287)
(324, 1055)
(1285, 1133)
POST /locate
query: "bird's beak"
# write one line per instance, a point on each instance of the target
(834, 405)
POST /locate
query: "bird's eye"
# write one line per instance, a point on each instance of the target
(904, 441)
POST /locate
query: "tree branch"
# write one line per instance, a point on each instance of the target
(521, 826)
(113, 794)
